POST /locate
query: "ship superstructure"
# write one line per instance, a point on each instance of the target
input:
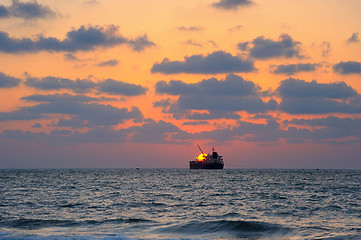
(207, 161)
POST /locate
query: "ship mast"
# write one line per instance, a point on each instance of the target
(200, 149)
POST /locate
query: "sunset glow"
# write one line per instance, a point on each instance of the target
(201, 157)
(271, 84)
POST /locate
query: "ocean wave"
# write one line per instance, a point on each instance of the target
(238, 228)
(31, 224)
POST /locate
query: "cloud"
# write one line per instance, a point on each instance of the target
(300, 97)
(329, 121)
(193, 43)
(233, 85)
(153, 132)
(190, 28)
(140, 43)
(57, 83)
(326, 48)
(4, 12)
(232, 4)
(220, 97)
(85, 85)
(195, 123)
(235, 28)
(7, 81)
(26, 10)
(70, 57)
(85, 38)
(79, 106)
(216, 62)
(299, 88)
(64, 98)
(350, 67)
(163, 103)
(91, 2)
(120, 88)
(291, 69)
(354, 38)
(36, 125)
(263, 48)
(109, 63)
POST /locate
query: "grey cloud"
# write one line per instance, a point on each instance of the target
(94, 113)
(26, 10)
(314, 105)
(216, 62)
(354, 38)
(109, 63)
(256, 132)
(330, 121)
(162, 103)
(85, 85)
(195, 123)
(36, 125)
(300, 97)
(262, 48)
(24, 113)
(235, 28)
(299, 88)
(57, 83)
(79, 106)
(190, 28)
(233, 85)
(91, 2)
(7, 81)
(213, 114)
(193, 43)
(64, 98)
(70, 57)
(251, 104)
(326, 48)
(350, 67)
(4, 12)
(22, 135)
(117, 87)
(98, 135)
(72, 122)
(140, 43)
(232, 4)
(220, 98)
(153, 132)
(82, 39)
(291, 69)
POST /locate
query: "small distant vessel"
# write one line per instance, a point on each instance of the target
(207, 161)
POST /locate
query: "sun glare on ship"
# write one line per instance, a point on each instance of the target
(201, 157)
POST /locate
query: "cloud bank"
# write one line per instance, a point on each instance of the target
(221, 98)
(109, 86)
(26, 10)
(7, 81)
(213, 63)
(85, 38)
(291, 69)
(263, 48)
(232, 4)
(345, 68)
(301, 97)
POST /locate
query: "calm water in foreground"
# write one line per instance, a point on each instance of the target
(180, 204)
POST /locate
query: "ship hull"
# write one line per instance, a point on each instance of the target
(204, 165)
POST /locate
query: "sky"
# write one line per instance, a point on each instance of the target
(125, 84)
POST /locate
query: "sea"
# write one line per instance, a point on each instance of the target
(133, 204)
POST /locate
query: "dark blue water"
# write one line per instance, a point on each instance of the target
(180, 204)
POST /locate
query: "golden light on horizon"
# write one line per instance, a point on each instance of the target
(201, 157)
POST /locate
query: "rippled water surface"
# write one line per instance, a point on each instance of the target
(180, 204)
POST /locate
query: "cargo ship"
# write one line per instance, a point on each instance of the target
(207, 161)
